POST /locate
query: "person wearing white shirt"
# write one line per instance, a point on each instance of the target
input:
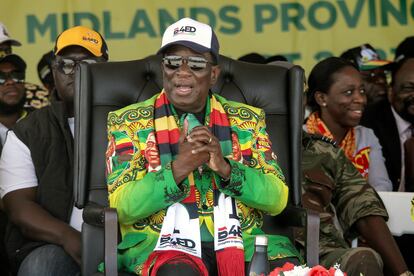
(12, 93)
(391, 121)
(404, 132)
(36, 170)
(12, 99)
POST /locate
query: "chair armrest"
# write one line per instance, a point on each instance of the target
(309, 220)
(312, 237)
(94, 215)
(111, 242)
(108, 218)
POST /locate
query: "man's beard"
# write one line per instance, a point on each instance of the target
(405, 114)
(8, 109)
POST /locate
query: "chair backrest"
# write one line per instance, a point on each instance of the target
(105, 87)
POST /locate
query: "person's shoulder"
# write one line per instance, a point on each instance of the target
(234, 108)
(33, 122)
(318, 145)
(365, 133)
(133, 108)
(309, 139)
(320, 153)
(34, 115)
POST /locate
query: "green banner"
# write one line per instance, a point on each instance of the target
(304, 31)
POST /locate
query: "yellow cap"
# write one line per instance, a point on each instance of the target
(84, 37)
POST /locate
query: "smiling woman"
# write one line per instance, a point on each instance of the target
(337, 98)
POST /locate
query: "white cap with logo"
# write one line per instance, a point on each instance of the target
(4, 36)
(193, 34)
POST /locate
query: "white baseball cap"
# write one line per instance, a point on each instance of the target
(4, 36)
(190, 33)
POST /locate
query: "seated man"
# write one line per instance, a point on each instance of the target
(348, 207)
(36, 170)
(372, 69)
(392, 121)
(12, 94)
(12, 99)
(189, 179)
(36, 96)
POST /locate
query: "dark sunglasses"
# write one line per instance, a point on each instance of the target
(67, 66)
(195, 63)
(15, 76)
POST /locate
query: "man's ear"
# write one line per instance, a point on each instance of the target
(215, 72)
(320, 98)
(53, 69)
(162, 68)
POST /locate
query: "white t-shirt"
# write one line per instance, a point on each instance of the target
(4, 130)
(17, 171)
(3, 133)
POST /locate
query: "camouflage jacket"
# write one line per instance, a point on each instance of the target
(333, 187)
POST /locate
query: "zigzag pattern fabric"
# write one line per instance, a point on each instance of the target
(314, 124)
(168, 132)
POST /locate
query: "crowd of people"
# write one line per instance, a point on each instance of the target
(190, 167)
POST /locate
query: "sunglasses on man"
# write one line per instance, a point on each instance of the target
(67, 66)
(194, 63)
(17, 77)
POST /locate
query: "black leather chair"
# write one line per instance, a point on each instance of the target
(104, 87)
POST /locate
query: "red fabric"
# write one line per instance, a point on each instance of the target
(168, 136)
(230, 262)
(191, 198)
(217, 118)
(278, 270)
(318, 271)
(163, 100)
(159, 258)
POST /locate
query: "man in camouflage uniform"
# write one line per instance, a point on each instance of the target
(348, 207)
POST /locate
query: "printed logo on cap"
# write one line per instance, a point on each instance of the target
(90, 38)
(367, 55)
(188, 30)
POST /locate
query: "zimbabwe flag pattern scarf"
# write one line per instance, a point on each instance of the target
(181, 229)
(314, 124)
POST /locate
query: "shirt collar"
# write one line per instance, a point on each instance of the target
(402, 124)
